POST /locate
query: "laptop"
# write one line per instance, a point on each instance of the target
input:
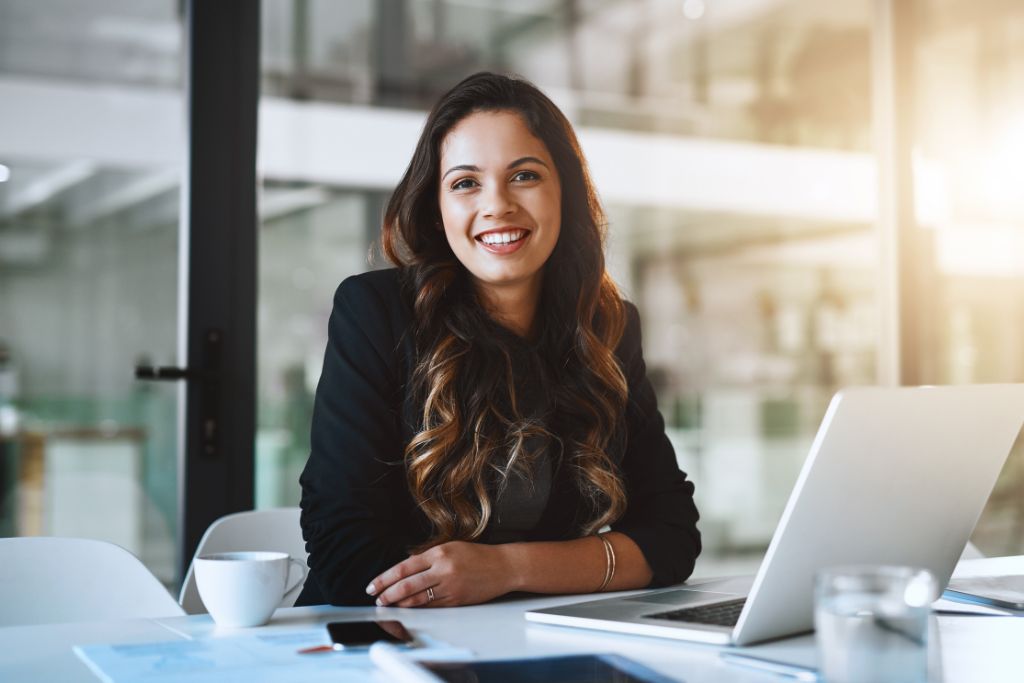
(894, 476)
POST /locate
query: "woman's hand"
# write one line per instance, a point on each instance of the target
(458, 573)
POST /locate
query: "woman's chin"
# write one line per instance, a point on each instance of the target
(507, 277)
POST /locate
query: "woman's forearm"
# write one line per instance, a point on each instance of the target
(576, 566)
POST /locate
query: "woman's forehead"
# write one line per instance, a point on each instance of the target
(484, 138)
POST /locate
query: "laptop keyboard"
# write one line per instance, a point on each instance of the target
(717, 614)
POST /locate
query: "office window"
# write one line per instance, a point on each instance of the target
(311, 237)
(970, 135)
(91, 137)
(748, 241)
(730, 143)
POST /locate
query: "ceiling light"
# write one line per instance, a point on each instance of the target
(693, 9)
(5, 174)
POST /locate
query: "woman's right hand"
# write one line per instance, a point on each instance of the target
(457, 573)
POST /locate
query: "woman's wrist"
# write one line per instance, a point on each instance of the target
(511, 557)
(572, 566)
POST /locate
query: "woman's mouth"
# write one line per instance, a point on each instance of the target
(503, 241)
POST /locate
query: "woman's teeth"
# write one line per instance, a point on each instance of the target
(503, 237)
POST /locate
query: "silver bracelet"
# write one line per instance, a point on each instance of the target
(609, 557)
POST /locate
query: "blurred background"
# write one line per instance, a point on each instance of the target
(732, 142)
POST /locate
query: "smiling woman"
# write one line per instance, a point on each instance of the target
(501, 207)
(484, 411)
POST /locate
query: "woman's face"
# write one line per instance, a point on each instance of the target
(500, 198)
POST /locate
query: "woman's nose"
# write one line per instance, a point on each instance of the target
(497, 202)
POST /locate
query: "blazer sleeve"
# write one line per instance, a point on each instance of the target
(354, 518)
(661, 517)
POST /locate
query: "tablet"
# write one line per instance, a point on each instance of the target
(565, 669)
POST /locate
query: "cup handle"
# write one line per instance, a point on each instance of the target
(302, 574)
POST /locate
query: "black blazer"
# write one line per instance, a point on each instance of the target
(358, 517)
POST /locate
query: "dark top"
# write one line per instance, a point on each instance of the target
(358, 516)
(520, 503)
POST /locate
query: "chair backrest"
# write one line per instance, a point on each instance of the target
(275, 529)
(46, 580)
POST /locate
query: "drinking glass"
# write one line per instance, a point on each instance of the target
(872, 623)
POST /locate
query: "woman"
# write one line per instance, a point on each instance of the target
(483, 410)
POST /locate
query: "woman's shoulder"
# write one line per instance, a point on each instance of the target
(374, 302)
(381, 285)
(632, 314)
(630, 342)
(373, 293)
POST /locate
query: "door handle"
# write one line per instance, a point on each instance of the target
(164, 373)
(209, 378)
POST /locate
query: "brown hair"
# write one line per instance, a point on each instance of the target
(473, 429)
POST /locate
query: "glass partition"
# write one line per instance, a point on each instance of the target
(970, 135)
(730, 142)
(91, 140)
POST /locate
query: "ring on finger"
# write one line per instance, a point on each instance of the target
(430, 594)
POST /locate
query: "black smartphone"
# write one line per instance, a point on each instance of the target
(365, 633)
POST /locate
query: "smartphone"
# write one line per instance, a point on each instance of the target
(346, 634)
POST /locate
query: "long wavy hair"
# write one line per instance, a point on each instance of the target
(475, 430)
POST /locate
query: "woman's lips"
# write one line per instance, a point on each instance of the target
(502, 248)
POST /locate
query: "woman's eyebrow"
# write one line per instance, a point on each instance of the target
(476, 169)
(526, 160)
(461, 167)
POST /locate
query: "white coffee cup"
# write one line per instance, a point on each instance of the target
(243, 589)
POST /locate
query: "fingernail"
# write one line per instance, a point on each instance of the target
(380, 603)
(370, 590)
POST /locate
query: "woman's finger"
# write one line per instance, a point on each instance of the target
(441, 600)
(406, 588)
(402, 570)
(420, 599)
(423, 599)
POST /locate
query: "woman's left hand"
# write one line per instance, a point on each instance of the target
(457, 573)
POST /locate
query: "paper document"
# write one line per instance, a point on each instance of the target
(251, 658)
(1000, 591)
(953, 603)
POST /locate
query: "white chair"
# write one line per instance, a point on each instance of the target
(276, 529)
(47, 580)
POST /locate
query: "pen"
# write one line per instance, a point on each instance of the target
(318, 648)
(400, 668)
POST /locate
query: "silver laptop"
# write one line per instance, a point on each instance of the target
(894, 476)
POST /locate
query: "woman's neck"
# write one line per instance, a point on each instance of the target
(513, 305)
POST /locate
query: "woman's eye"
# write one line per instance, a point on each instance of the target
(525, 176)
(464, 184)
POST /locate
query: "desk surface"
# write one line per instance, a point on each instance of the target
(974, 648)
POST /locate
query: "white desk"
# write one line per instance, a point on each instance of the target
(973, 648)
